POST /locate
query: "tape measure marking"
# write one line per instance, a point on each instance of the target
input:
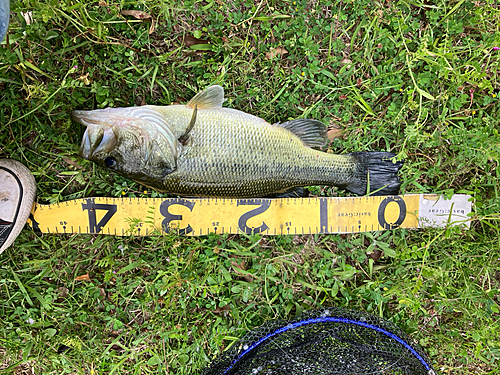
(194, 217)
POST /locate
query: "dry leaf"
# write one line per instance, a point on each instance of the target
(85, 79)
(85, 277)
(335, 133)
(238, 267)
(218, 310)
(191, 41)
(278, 51)
(139, 14)
(343, 97)
(72, 162)
(28, 17)
(63, 292)
(152, 27)
(376, 254)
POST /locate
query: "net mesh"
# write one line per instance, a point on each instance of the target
(326, 341)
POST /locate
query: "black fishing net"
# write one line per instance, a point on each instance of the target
(326, 341)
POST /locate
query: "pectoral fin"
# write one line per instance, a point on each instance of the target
(211, 97)
(184, 138)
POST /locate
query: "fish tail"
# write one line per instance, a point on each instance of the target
(376, 172)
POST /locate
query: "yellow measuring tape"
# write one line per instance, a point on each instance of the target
(196, 217)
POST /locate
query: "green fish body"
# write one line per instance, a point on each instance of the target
(203, 149)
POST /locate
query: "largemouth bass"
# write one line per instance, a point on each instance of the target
(203, 149)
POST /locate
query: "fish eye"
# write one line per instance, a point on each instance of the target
(110, 162)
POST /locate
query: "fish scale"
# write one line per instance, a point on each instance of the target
(226, 152)
(214, 164)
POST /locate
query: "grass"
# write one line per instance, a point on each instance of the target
(417, 78)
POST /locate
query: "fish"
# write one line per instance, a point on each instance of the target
(203, 149)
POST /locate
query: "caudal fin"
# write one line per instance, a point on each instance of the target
(381, 171)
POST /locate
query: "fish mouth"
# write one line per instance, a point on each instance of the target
(96, 139)
(143, 128)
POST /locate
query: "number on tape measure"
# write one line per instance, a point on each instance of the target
(381, 212)
(242, 221)
(323, 215)
(165, 224)
(91, 206)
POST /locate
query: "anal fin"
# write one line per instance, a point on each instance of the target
(296, 192)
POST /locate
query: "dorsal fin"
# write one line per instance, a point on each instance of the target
(211, 97)
(311, 132)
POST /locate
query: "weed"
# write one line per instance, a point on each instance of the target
(417, 79)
